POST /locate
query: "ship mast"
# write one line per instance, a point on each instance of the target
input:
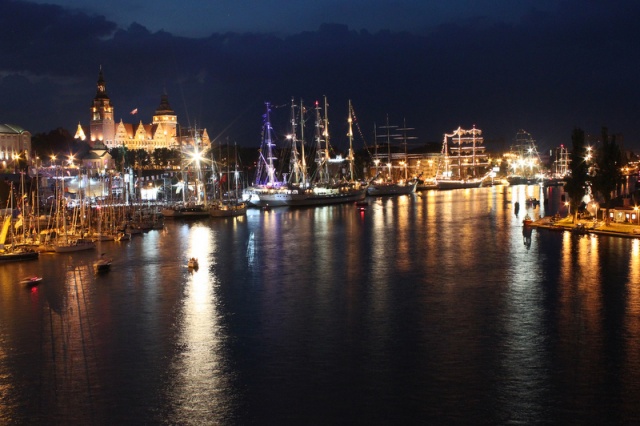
(294, 161)
(388, 136)
(322, 153)
(266, 158)
(326, 139)
(404, 139)
(302, 155)
(350, 135)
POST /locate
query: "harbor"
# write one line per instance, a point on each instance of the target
(440, 297)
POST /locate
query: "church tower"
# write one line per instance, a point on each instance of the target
(102, 125)
(165, 121)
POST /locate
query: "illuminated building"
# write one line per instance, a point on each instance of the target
(163, 132)
(14, 141)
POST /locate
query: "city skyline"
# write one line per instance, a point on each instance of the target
(543, 67)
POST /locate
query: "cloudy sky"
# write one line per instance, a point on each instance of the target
(543, 66)
(198, 18)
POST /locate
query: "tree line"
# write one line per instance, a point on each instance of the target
(600, 176)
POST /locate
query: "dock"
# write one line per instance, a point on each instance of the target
(588, 226)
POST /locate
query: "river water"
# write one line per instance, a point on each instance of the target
(434, 308)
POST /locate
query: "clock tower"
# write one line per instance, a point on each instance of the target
(102, 124)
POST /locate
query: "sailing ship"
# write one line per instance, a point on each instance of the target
(192, 208)
(392, 185)
(560, 168)
(298, 188)
(67, 240)
(463, 160)
(230, 205)
(524, 161)
(12, 251)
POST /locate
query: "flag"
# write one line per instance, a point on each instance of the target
(134, 111)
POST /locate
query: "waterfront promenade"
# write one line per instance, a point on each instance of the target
(588, 226)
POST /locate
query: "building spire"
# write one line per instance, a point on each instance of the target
(102, 86)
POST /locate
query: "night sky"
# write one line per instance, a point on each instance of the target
(542, 66)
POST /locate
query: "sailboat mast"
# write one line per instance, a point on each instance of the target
(326, 138)
(350, 135)
(320, 155)
(24, 218)
(389, 147)
(271, 174)
(294, 161)
(235, 171)
(228, 172)
(302, 154)
(459, 154)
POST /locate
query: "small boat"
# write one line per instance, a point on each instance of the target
(532, 202)
(75, 245)
(361, 205)
(103, 264)
(232, 209)
(391, 188)
(17, 253)
(192, 263)
(31, 281)
(123, 236)
(527, 220)
(580, 229)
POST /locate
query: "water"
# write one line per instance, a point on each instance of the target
(430, 309)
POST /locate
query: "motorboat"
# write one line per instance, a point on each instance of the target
(31, 281)
(362, 205)
(103, 264)
(123, 236)
(192, 263)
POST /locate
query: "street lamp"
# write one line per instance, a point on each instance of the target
(568, 206)
(635, 209)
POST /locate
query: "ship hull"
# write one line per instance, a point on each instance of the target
(294, 198)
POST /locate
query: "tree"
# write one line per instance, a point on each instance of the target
(576, 186)
(608, 174)
(57, 142)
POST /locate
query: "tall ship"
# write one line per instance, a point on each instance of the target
(386, 182)
(525, 167)
(227, 203)
(560, 169)
(197, 205)
(464, 163)
(299, 187)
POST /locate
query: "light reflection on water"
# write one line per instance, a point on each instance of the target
(197, 393)
(434, 308)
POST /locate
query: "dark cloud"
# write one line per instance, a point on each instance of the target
(546, 73)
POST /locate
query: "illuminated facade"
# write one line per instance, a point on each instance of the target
(14, 141)
(163, 132)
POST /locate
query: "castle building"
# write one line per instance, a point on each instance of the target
(163, 132)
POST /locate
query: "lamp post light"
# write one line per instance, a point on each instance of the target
(568, 206)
